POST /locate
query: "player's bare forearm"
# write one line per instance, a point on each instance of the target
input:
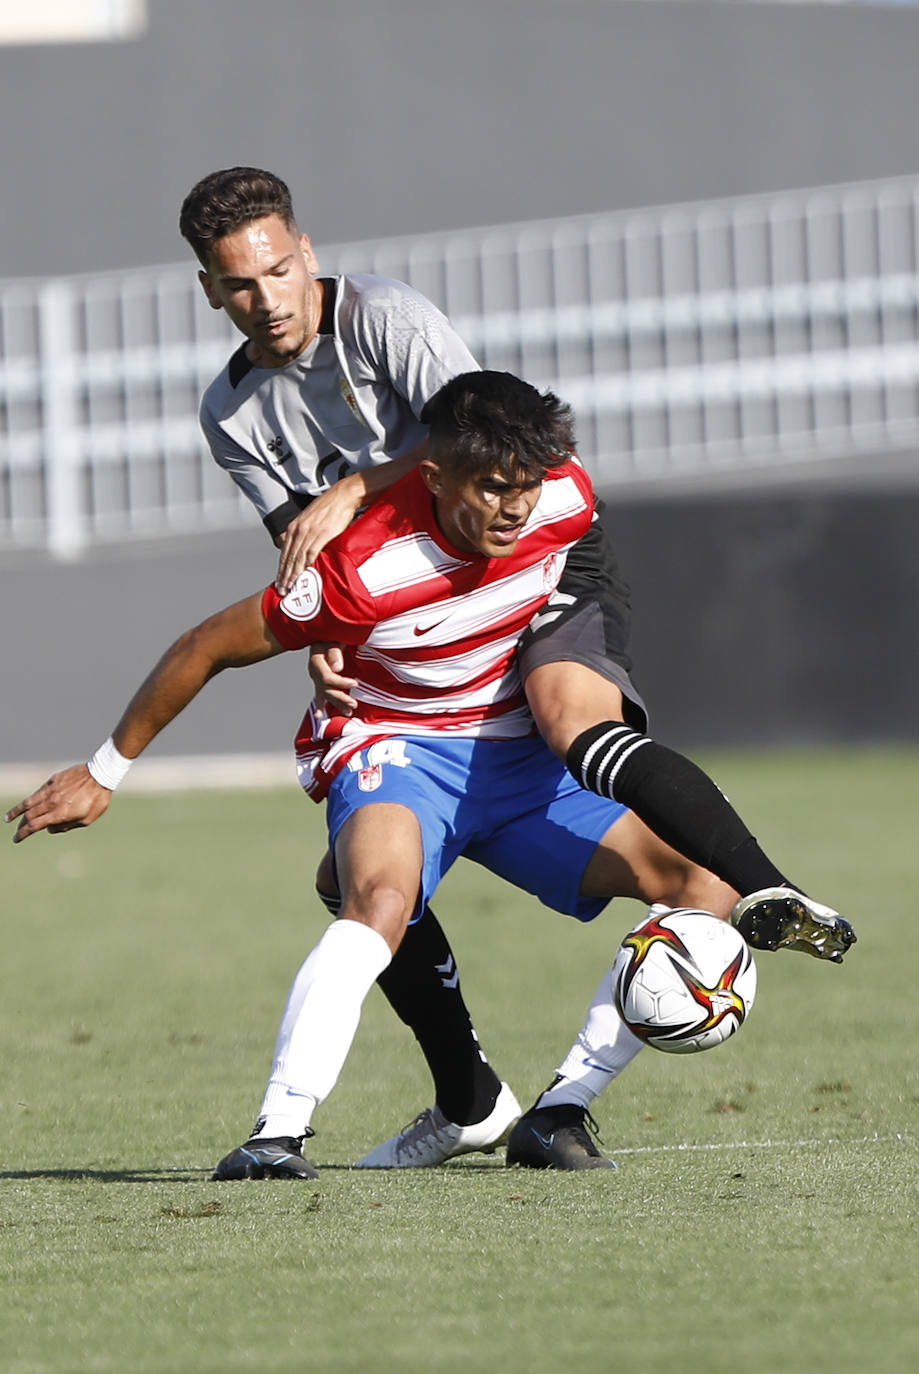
(332, 512)
(381, 477)
(233, 638)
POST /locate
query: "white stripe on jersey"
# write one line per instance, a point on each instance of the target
(557, 501)
(404, 562)
(446, 671)
(461, 700)
(465, 615)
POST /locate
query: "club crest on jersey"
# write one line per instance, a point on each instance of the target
(305, 596)
(552, 571)
(349, 398)
(370, 778)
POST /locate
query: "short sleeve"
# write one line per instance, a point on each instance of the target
(328, 601)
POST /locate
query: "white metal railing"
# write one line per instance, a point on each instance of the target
(692, 340)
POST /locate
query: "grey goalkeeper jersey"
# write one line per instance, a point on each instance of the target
(350, 400)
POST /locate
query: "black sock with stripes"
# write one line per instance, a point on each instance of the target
(675, 799)
(422, 986)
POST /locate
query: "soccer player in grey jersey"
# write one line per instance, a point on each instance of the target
(317, 412)
(346, 403)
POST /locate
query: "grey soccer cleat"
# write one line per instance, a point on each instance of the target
(780, 918)
(556, 1138)
(431, 1139)
(266, 1157)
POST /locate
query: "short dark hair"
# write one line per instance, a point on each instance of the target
(487, 422)
(224, 201)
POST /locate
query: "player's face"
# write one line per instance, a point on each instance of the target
(262, 276)
(484, 514)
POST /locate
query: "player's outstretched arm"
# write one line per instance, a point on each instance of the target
(233, 638)
(332, 512)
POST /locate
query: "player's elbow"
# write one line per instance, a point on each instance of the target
(235, 637)
(200, 651)
(232, 638)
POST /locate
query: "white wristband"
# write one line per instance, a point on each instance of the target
(107, 766)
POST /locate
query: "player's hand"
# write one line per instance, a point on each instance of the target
(309, 532)
(326, 668)
(67, 801)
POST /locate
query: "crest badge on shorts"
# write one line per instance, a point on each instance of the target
(370, 778)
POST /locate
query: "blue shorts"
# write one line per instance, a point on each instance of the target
(509, 805)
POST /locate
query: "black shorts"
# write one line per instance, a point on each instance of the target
(588, 620)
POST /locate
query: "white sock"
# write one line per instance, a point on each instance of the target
(604, 1047)
(320, 1020)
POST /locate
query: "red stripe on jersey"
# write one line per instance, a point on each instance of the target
(430, 632)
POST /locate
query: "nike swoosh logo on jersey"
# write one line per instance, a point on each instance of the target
(426, 629)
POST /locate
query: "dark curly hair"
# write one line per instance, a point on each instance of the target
(494, 422)
(222, 202)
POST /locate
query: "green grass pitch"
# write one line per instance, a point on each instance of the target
(763, 1216)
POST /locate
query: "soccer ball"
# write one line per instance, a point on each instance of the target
(683, 980)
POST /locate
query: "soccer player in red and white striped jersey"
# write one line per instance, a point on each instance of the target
(429, 590)
(430, 625)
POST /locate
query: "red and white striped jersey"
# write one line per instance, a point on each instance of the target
(429, 632)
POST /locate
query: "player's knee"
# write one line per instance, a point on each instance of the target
(566, 700)
(559, 721)
(382, 905)
(555, 730)
(692, 886)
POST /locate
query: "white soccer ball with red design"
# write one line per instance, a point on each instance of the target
(683, 980)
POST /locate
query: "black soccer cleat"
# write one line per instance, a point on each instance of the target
(556, 1138)
(780, 918)
(266, 1157)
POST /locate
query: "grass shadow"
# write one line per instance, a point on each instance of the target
(106, 1175)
